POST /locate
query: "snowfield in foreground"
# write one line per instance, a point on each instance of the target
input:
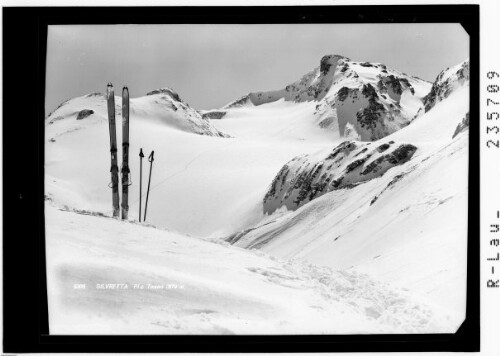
(193, 286)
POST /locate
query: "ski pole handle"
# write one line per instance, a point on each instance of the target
(141, 154)
(151, 157)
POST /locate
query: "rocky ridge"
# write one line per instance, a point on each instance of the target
(447, 81)
(361, 100)
(308, 177)
(354, 162)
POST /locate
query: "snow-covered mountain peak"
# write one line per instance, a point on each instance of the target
(168, 91)
(446, 82)
(361, 100)
(163, 106)
(351, 163)
(331, 60)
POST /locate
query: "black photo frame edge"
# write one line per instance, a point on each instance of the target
(25, 300)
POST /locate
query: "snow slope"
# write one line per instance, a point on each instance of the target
(201, 184)
(107, 276)
(396, 226)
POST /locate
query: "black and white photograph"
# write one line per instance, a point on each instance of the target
(256, 178)
(250, 177)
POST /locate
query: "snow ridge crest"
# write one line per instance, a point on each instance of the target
(446, 82)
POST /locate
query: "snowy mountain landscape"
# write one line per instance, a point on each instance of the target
(324, 207)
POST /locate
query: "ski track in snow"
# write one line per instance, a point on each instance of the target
(185, 168)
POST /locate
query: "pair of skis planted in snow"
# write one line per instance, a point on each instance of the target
(114, 159)
(114, 151)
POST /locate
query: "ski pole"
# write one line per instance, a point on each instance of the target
(141, 155)
(150, 159)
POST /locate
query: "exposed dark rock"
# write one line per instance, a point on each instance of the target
(462, 126)
(442, 89)
(84, 113)
(213, 115)
(361, 152)
(328, 60)
(395, 84)
(369, 92)
(345, 147)
(383, 147)
(279, 177)
(306, 188)
(404, 81)
(337, 182)
(343, 93)
(402, 154)
(241, 101)
(325, 65)
(395, 180)
(370, 116)
(430, 99)
(352, 166)
(399, 156)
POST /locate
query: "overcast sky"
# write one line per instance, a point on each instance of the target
(211, 65)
